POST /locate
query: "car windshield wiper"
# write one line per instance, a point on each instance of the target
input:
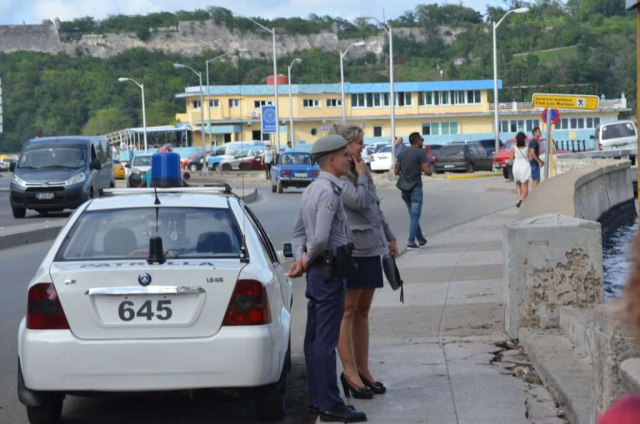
(175, 253)
(61, 167)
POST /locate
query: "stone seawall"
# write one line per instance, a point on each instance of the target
(36, 38)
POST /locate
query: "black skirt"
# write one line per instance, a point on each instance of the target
(368, 275)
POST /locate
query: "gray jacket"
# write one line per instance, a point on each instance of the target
(366, 225)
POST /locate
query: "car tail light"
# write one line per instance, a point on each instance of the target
(286, 172)
(248, 305)
(44, 311)
(315, 173)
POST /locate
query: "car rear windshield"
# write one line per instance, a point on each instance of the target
(54, 156)
(141, 161)
(117, 234)
(451, 150)
(618, 131)
(296, 159)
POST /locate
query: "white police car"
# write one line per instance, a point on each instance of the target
(144, 293)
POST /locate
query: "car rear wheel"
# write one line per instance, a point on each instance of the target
(280, 187)
(271, 400)
(226, 167)
(245, 167)
(48, 413)
(274, 188)
(19, 212)
(193, 167)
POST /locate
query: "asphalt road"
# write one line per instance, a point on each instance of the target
(447, 204)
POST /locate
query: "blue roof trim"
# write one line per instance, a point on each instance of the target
(349, 88)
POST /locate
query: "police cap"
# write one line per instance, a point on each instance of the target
(328, 144)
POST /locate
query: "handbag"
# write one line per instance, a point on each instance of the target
(393, 274)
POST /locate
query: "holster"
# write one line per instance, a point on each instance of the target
(327, 265)
(344, 265)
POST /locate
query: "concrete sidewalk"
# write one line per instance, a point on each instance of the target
(443, 354)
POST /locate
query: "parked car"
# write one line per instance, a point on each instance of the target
(57, 173)
(252, 164)
(489, 145)
(5, 164)
(234, 163)
(616, 135)
(195, 162)
(293, 169)
(229, 150)
(118, 170)
(140, 164)
(141, 297)
(185, 161)
(462, 157)
(430, 150)
(381, 161)
(379, 146)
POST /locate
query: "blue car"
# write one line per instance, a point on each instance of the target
(293, 169)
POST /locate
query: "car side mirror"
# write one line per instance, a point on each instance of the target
(95, 164)
(12, 166)
(287, 250)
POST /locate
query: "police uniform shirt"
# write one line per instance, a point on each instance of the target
(321, 221)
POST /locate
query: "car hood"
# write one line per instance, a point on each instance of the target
(37, 176)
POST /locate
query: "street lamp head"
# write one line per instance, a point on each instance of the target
(298, 61)
(123, 79)
(178, 66)
(364, 18)
(521, 10)
(360, 44)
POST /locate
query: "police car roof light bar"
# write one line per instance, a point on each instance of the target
(172, 190)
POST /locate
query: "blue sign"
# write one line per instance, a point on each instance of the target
(268, 119)
(325, 128)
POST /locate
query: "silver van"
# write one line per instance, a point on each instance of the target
(57, 173)
(616, 135)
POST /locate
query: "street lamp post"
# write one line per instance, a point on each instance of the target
(392, 101)
(205, 168)
(209, 92)
(293, 134)
(342, 55)
(144, 112)
(496, 102)
(275, 77)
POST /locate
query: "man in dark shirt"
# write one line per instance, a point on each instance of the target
(536, 163)
(410, 166)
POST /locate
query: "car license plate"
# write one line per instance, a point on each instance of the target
(44, 196)
(449, 166)
(301, 175)
(124, 311)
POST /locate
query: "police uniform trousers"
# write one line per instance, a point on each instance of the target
(324, 314)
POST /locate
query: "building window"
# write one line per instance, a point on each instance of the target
(439, 128)
(266, 136)
(403, 99)
(563, 124)
(358, 100)
(596, 122)
(504, 126)
(425, 98)
(377, 131)
(234, 102)
(444, 97)
(589, 122)
(311, 103)
(574, 123)
(258, 103)
(196, 104)
(580, 123)
(334, 102)
(532, 123)
(214, 103)
(377, 100)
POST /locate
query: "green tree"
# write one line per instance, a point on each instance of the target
(105, 121)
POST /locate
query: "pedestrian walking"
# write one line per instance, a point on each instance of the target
(536, 163)
(521, 157)
(369, 231)
(410, 166)
(320, 249)
(400, 147)
(267, 160)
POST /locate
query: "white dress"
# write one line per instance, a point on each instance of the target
(521, 165)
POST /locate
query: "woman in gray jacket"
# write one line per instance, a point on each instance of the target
(370, 233)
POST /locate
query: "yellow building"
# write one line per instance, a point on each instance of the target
(442, 111)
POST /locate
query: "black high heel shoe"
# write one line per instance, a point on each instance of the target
(376, 388)
(358, 393)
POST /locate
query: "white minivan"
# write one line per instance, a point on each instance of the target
(616, 135)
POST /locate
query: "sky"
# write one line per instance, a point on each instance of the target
(16, 12)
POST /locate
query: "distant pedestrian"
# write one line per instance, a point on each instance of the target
(267, 160)
(410, 166)
(370, 233)
(521, 155)
(39, 133)
(536, 163)
(400, 146)
(289, 147)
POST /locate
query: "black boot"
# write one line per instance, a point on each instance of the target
(343, 414)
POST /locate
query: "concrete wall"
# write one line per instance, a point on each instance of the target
(549, 261)
(39, 38)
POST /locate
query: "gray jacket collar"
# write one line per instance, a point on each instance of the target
(335, 181)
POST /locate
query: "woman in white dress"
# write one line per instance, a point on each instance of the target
(520, 155)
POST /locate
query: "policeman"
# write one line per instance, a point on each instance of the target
(319, 239)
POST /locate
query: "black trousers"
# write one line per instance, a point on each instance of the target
(267, 169)
(324, 315)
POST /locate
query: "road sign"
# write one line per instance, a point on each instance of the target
(325, 128)
(268, 119)
(566, 101)
(555, 116)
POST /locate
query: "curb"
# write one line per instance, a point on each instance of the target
(20, 235)
(473, 176)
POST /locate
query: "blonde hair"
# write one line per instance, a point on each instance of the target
(351, 133)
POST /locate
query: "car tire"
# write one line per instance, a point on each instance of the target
(274, 188)
(19, 212)
(471, 169)
(280, 187)
(193, 167)
(272, 406)
(245, 167)
(49, 412)
(226, 167)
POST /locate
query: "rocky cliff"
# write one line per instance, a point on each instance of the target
(192, 38)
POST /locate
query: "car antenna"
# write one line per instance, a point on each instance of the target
(155, 190)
